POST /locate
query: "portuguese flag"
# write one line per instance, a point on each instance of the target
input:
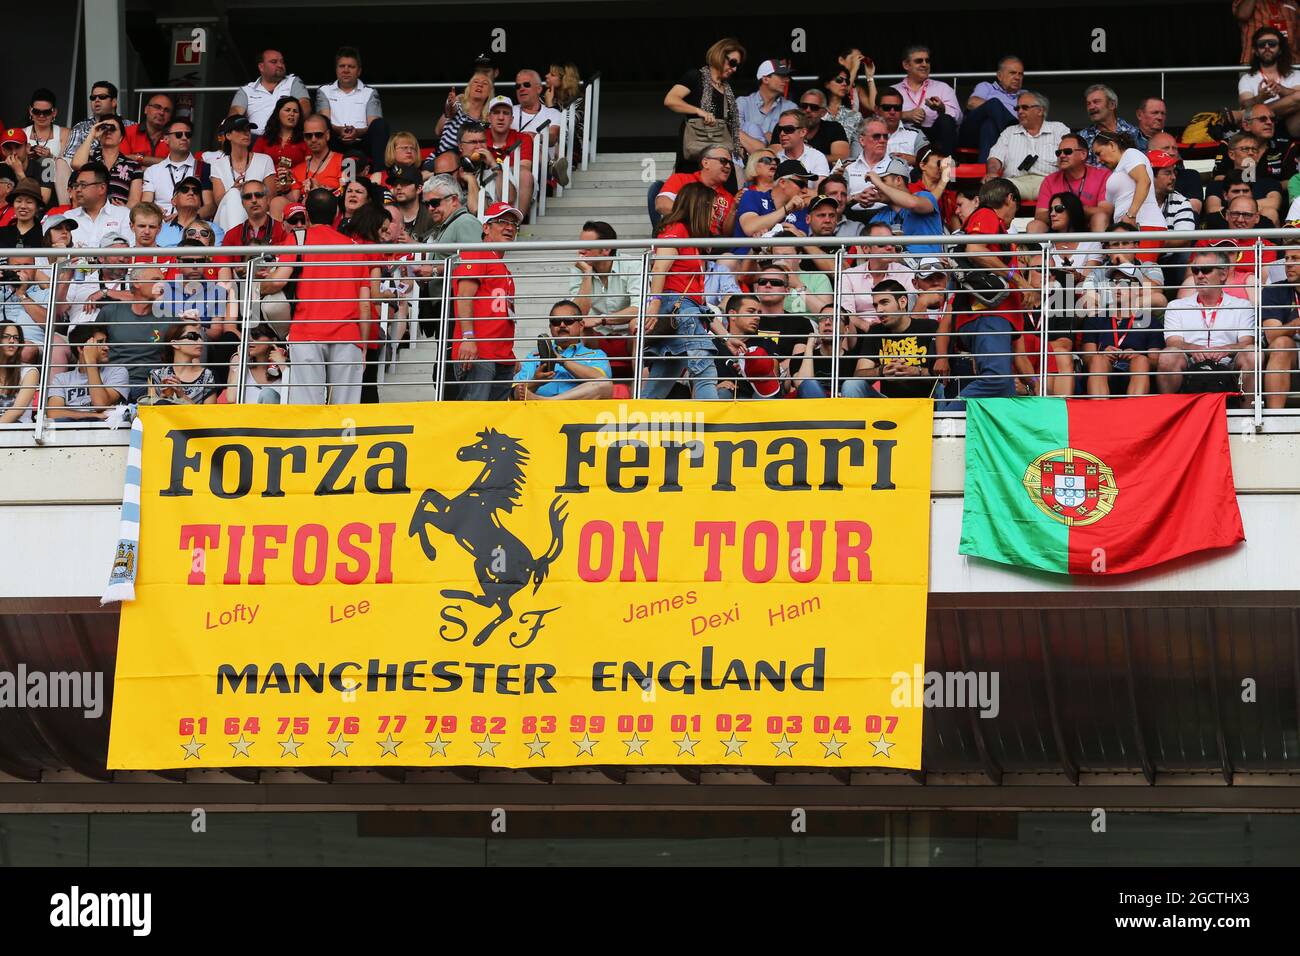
(1088, 486)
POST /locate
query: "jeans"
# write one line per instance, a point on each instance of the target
(991, 336)
(689, 349)
(983, 125)
(483, 381)
(849, 388)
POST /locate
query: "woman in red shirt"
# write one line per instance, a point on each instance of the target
(282, 141)
(675, 313)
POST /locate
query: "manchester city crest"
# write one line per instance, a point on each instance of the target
(1072, 486)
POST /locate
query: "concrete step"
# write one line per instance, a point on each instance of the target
(626, 175)
(605, 159)
(594, 199)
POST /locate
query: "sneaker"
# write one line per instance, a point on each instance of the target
(560, 170)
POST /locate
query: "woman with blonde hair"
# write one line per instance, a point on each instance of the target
(563, 88)
(471, 105)
(704, 98)
(403, 149)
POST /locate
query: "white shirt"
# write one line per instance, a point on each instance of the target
(906, 140)
(1250, 82)
(856, 171)
(1015, 145)
(258, 102)
(161, 179)
(813, 159)
(231, 211)
(55, 142)
(529, 122)
(1209, 328)
(1120, 188)
(349, 107)
(89, 233)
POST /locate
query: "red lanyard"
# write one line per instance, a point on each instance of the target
(1119, 339)
(1209, 319)
(920, 99)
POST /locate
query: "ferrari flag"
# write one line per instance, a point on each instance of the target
(1087, 487)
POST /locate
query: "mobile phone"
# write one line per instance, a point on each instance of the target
(546, 350)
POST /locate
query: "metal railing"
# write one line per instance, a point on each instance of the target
(567, 146)
(812, 321)
(1090, 74)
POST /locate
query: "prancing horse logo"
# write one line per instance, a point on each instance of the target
(502, 563)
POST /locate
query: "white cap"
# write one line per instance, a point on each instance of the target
(500, 101)
(768, 67)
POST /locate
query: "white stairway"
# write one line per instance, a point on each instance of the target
(611, 189)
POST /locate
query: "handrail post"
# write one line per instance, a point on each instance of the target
(587, 120)
(572, 123)
(43, 386)
(541, 172)
(1258, 280)
(639, 351)
(1043, 298)
(595, 118)
(245, 327)
(447, 321)
(835, 312)
(562, 148)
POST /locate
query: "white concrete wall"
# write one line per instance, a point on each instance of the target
(60, 509)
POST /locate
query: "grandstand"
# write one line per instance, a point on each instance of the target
(608, 266)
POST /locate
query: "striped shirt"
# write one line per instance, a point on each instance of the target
(1178, 211)
(1015, 145)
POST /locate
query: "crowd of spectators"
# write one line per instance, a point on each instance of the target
(843, 157)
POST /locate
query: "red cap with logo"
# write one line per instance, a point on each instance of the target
(499, 209)
(293, 209)
(760, 370)
(1161, 160)
(14, 135)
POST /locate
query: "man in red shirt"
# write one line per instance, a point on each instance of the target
(500, 138)
(992, 319)
(483, 301)
(714, 172)
(333, 314)
(1074, 175)
(146, 141)
(323, 168)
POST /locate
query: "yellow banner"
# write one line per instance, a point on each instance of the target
(527, 585)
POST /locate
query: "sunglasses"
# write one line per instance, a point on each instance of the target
(435, 203)
(733, 62)
(189, 337)
(726, 161)
(890, 107)
(565, 319)
(1068, 151)
(1267, 44)
(523, 86)
(314, 135)
(811, 106)
(297, 220)
(100, 96)
(35, 112)
(767, 161)
(877, 136)
(198, 233)
(1032, 106)
(182, 190)
(1203, 270)
(257, 195)
(1058, 208)
(786, 130)
(840, 79)
(776, 283)
(181, 134)
(920, 59)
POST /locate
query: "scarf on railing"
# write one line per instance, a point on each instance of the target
(732, 118)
